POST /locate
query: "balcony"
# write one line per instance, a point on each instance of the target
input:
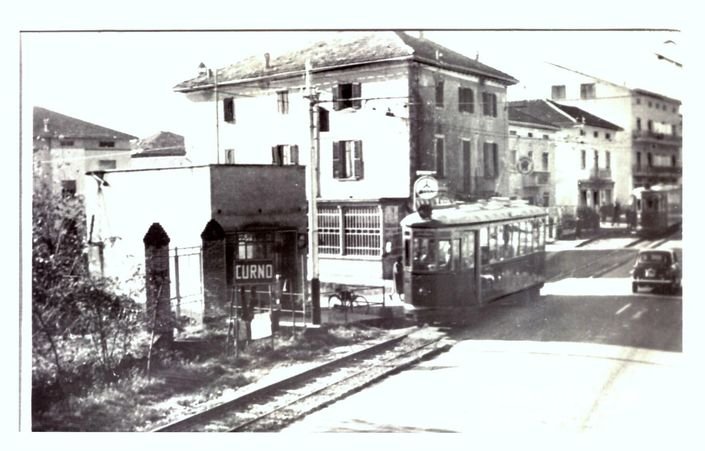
(646, 136)
(535, 179)
(657, 170)
(595, 174)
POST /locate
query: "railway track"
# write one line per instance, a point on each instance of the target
(271, 408)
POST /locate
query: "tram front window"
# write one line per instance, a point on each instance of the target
(424, 254)
(444, 254)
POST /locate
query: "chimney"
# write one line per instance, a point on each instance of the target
(266, 61)
(46, 125)
(202, 70)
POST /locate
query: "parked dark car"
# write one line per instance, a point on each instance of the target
(657, 268)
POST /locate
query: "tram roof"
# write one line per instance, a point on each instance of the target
(473, 213)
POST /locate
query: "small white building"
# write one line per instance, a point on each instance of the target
(65, 148)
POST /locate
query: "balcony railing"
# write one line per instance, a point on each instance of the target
(537, 178)
(655, 170)
(596, 173)
(651, 136)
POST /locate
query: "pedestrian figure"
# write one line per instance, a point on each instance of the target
(616, 213)
(398, 274)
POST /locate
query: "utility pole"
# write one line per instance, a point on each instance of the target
(313, 196)
(217, 118)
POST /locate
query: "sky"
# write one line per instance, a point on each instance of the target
(123, 80)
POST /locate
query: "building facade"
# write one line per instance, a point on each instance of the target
(65, 148)
(652, 122)
(587, 160)
(386, 107)
(532, 146)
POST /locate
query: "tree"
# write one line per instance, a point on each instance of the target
(66, 298)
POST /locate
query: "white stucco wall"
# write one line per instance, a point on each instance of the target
(178, 199)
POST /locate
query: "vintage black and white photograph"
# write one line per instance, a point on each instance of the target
(387, 229)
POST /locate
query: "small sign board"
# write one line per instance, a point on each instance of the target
(426, 187)
(254, 272)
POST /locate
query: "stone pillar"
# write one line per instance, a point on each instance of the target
(158, 308)
(215, 292)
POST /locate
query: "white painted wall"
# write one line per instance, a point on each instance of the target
(178, 199)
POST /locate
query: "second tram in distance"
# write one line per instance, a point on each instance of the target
(470, 254)
(658, 209)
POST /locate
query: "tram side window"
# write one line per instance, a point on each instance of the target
(541, 233)
(444, 254)
(484, 246)
(455, 254)
(424, 254)
(506, 250)
(492, 243)
(530, 237)
(468, 250)
(515, 237)
(407, 252)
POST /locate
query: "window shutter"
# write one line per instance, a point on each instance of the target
(356, 94)
(336, 96)
(440, 158)
(461, 100)
(294, 154)
(337, 160)
(323, 120)
(486, 159)
(359, 164)
(276, 156)
(229, 110)
(495, 159)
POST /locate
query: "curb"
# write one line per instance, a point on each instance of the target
(252, 390)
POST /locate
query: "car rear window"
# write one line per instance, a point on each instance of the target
(655, 257)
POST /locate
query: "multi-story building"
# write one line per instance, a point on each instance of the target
(161, 150)
(532, 145)
(389, 104)
(652, 122)
(65, 148)
(588, 159)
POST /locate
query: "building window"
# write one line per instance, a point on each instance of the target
(512, 132)
(608, 159)
(466, 100)
(649, 160)
(229, 156)
(513, 158)
(106, 144)
(439, 94)
(650, 125)
(674, 161)
(66, 142)
(638, 160)
(347, 95)
(608, 136)
(582, 132)
(587, 91)
(107, 164)
(283, 102)
(283, 155)
(350, 230)
(254, 246)
(439, 152)
(229, 110)
(638, 100)
(68, 188)
(323, 120)
(595, 134)
(638, 124)
(558, 92)
(544, 161)
(347, 160)
(530, 135)
(674, 130)
(650, 104)
(583, 159)
(546, 199)
(489, 104)
(596, 159)
(490, 159)
(545, 136)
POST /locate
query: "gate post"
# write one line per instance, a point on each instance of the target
(214, 273)
(158, 308)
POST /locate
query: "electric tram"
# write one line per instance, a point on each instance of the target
(658, 209)
(467, 255)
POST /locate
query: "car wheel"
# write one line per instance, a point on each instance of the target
(635, 287)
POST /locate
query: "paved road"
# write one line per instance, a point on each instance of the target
(589, 358)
